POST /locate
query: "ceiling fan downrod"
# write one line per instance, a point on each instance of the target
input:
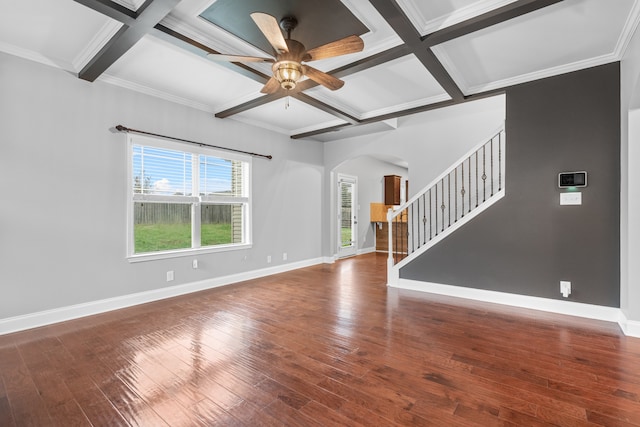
(288, 24)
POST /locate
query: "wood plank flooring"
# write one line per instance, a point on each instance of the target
(321, 346)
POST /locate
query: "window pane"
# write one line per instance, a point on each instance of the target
(161, 227)
(220, 177)
(161, 171)
(221, 224)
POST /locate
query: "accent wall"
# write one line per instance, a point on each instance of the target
(527, 243)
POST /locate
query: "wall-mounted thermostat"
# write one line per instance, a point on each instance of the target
(572, 179)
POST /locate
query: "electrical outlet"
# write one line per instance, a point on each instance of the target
(565, 288)
(194, 263)
(284, 256)
(268, 259)
(169, 275)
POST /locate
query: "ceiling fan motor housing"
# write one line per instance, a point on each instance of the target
(288, 68)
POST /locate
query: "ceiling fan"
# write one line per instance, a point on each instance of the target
(288, 67)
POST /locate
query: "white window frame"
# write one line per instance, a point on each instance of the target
(195, 201)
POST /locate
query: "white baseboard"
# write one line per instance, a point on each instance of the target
(47, 317)
(363, 251)
(570, 308)
(630, 328)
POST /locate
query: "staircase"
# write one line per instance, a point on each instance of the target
(471, 185)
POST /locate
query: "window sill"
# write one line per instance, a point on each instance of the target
(154, 256)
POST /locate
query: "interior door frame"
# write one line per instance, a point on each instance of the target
(353, 248)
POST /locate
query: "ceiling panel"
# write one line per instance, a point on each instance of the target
(391, 77)
(432, 16)
(288, 116)
(396, 85)
(313, 20)
(173, 73)
(185, 19)
(61, 33)
(567, 36)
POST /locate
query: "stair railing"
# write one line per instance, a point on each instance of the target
(464, 190)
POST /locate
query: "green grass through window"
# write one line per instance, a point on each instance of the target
(346, 236)
(163, 237)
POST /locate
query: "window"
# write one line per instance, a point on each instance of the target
(185, 198)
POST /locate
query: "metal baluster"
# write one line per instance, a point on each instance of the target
(430, 218)
(476, 181)
(462, 190)
(424, 219)
(409, 231)
(500, 161)
(491, 142)
(484, 173)
(436, 209)
(409, 234)
(456, 191)
(449, 197)
(442, 206)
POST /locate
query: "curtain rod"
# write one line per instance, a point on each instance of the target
(121, 128)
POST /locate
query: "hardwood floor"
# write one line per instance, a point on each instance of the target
(321, 346)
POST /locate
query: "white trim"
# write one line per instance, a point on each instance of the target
(353, 248)
(631, 328)
(570, 308)
(133, 5)
(329, 260)
(169, 143)
(146, 90)
(30, 55)
(628, 30)
(154, 256)
(364, 251)
(102, 37)
(47, 317)
(449, 19)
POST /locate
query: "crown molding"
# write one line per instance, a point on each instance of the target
(126, 84)
(426, 27)
(630, 26)
(106, 33)
(36, 57)
(542, 74)
(133, 5)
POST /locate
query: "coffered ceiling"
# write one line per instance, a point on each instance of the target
(418, 55)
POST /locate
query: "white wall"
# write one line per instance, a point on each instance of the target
(630, 182)
(370, 173)
(430, 142)
(63, 181)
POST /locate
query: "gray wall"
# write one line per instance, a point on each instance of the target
(63, 191)
(527, 243)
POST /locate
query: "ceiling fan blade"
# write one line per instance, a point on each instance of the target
(272, 86)
(271, 30)
(323, 78)
(237, 58)
(343, 46)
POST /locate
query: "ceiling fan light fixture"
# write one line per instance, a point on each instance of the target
(287, 73)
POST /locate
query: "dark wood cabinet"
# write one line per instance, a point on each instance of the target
(392, 190)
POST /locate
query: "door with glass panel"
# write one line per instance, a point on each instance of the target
(347, 215)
